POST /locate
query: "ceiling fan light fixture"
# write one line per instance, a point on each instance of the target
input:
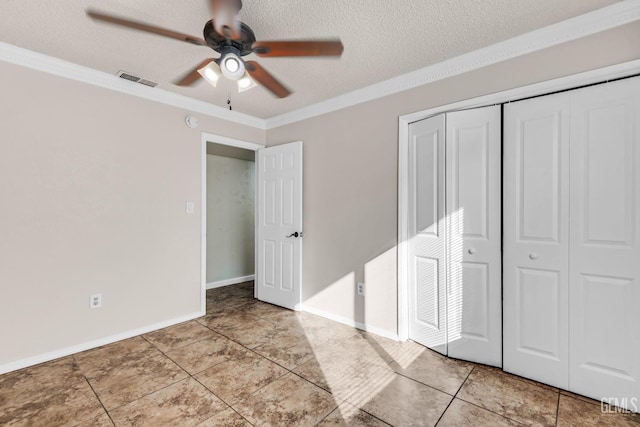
(246, 83)
(211, 73)
(232, 66)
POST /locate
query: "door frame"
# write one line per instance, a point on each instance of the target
(232, 142)
(599, 75)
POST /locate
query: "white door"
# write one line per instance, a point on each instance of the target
(535, 238)
(427, 230)
(279, 225)
(474, 284)
(605, 242)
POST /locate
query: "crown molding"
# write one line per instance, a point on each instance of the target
(580, 26)
(37, 61)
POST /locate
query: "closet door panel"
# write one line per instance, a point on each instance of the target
(427, 230)
(475, 307)
(535, 238)
(539, 172)
(605, 250)
(474, 295)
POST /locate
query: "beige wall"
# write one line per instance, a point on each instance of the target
(350, 174)
(230, 218)
(93, 186)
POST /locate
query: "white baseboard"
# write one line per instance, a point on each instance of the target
(228, 282)
(57, 354)
(345, 321)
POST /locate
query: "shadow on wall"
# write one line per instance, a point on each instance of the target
(376, 310)
(338, 299)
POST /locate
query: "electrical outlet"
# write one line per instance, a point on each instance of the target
(95, 301)
(360, 288)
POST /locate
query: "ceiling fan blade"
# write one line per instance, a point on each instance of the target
(145, 27)
(299, 48)
(224, 17)
(263, 77)
(193, 75)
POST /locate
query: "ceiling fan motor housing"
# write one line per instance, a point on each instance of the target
(224, 15)
(217, 42)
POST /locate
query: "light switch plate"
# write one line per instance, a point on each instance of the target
(190, 207)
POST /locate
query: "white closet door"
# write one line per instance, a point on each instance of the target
(427, 270)
(605, 242)
(535, 238)
(474, 288)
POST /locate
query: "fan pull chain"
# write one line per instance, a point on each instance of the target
(229, 102)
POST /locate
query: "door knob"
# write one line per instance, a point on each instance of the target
(296, 234)
(533, 255)
(471, 251)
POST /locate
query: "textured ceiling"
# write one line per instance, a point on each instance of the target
(382, 39)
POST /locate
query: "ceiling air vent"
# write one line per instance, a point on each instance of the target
(136, 79)
(147, 83)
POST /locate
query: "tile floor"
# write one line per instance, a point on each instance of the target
(249, 363)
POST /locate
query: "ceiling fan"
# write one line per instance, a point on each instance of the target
(233, 40)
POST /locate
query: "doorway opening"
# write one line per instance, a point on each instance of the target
(228, 212)
(230, 215)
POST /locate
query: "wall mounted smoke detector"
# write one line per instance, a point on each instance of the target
(191, 121)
